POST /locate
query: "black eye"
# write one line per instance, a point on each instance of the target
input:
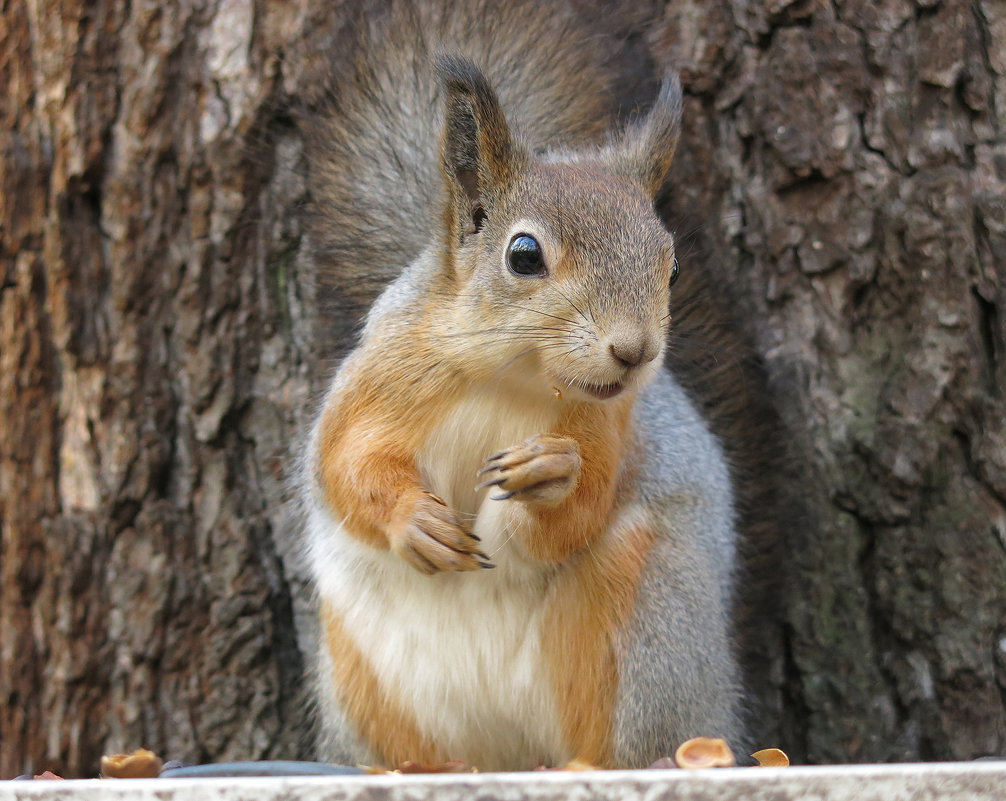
(524, 256)
(674, 273)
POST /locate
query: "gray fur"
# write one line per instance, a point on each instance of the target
(677, 677)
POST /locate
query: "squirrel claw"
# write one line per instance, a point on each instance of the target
(431, 537)
(543, 469)
(493, 482)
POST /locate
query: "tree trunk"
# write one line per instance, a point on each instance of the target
(845, 163)
(843, 168)
(154, 377)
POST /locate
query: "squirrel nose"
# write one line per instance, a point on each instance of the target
(632, 349)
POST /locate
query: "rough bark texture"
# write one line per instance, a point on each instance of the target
(846, 164)
(153, 375)
(843, 168)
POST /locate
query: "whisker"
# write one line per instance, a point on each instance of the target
(502, 336)
(591, 551)
(571, 303)
(544, 314)
(512, 528)
(590, 310)
(507, 330)
(496, 373)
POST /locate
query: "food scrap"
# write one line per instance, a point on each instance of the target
(704, 752)
(558, 393)
(141, 764)
(771, 758)
(579, 764)
(453, 766)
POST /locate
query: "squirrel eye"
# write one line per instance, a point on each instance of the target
(674, 273)
(524, 256)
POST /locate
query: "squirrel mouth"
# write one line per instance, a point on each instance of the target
(602, 391)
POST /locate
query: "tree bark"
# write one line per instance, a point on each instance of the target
(843, 169)
(845, 165)
(153, 379)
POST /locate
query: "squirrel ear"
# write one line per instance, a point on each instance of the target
(645, 150)
(477, 152)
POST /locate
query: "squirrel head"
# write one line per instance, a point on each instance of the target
(556, 267)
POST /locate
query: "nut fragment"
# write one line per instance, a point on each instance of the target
(704, 752)
(771, 758)
(453, 766)
(579, 764)
(141, 764)
(437, 498)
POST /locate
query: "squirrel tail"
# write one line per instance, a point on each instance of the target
(373, 131)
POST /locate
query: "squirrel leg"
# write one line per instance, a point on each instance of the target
(542, 470)
(376, 490)
(562, 485)
(428, 535)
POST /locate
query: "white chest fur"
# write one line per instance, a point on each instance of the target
(461, 652)
(480, 425)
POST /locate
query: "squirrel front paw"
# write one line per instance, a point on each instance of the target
(428, 534)
(543, 469)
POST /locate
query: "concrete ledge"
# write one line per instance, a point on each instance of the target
(952, 781)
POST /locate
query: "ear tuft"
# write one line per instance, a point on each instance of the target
(645, 150)
(477, 151)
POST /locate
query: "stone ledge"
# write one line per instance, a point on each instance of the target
(951, 781)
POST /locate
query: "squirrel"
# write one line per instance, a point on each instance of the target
(521, 529)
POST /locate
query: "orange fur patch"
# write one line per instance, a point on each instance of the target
(380, 720)
(601, 430)
(594, 601)
(369, 439)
